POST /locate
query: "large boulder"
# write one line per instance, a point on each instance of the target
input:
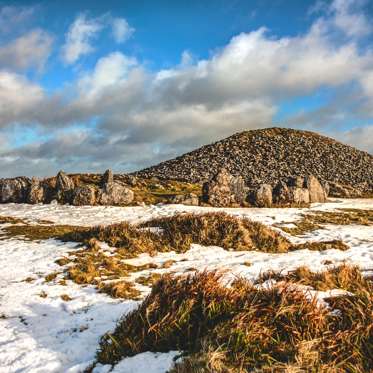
(299, 196)
(36, 193)
(317, 192)
(84, 195)
(115, 194)
(224, 190)
(64, 188)
(263, 196)
(14, 190)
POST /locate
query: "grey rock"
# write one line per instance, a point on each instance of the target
(115, 194)
(224, 190)
(107, 177)
(36, 192)
(299, 195)
(317, 192)
(14, 190)
(263, 196)
(64, 188)
(84, 195)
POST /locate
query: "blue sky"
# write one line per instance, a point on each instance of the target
(89, 85)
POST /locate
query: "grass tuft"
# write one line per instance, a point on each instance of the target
(243, 328)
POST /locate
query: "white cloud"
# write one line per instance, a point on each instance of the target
(29, 50)
(122, 31)
(349, 18)
(84, 30)
(109, 71)
(19, 99)
(14, 16)
(79, 38)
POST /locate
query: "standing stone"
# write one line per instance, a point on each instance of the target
(14, 190)
(64, 188)
(223, 190)
(317, 192)
(263, 196)
(36, 192)
(107, 177)
(85, 195)
(299, 196)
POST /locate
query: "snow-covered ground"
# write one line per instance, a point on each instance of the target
(39, 332)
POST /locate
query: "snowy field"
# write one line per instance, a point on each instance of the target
(40, 332)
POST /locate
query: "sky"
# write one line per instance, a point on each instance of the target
(90, 85)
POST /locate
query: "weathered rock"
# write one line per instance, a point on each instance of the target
(36, 192)
(64, 188)
(317, 192)
(224, 190)
(115, 194)
(189, 199)
(84, 195)
(14, 190)
(281, 193)
(107, 177)
(299, 196)
(263, 196)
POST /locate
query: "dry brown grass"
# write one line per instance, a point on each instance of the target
(245, 329)
(11, 220)
(315, 220)
(344, 277)
(120, 289)
(218, 229)
(94, 266)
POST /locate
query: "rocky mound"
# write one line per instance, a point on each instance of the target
(269, 155)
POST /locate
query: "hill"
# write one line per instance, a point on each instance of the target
(268, 155)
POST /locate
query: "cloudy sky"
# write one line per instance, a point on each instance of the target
(88, 85)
